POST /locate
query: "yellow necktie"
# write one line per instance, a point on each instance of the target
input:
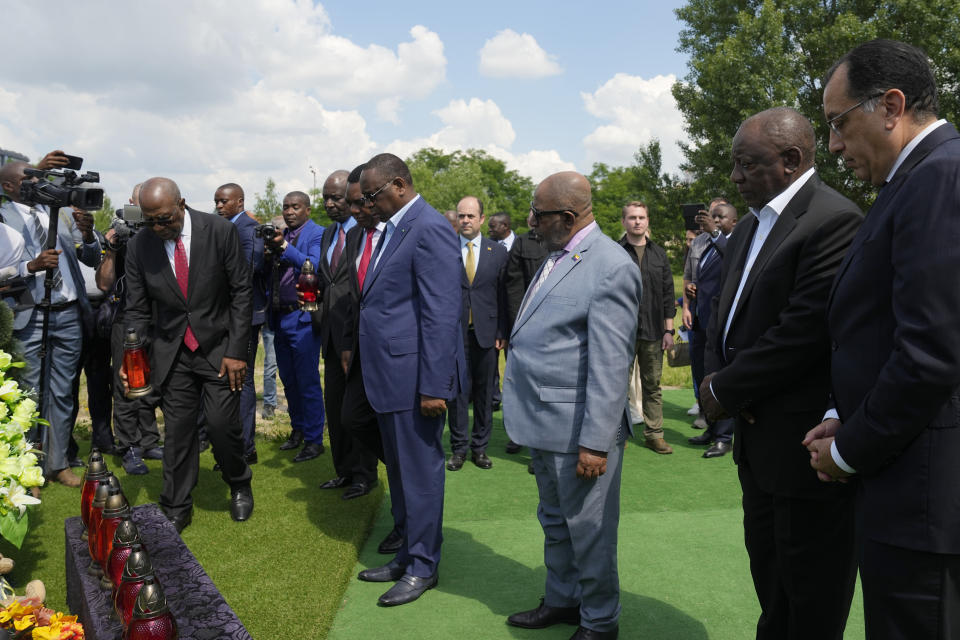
(471, 272)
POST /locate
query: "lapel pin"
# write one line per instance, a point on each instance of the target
(576, 257)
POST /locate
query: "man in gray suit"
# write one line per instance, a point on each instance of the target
(565, 397)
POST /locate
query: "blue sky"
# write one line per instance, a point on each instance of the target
(218, 90)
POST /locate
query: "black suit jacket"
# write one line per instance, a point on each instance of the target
(776, 360)
(218, 302)
(894, 318)
(526, 256)
(252, 248)
(350, 295)
(708, 278)
(483, 297)
(337, 289)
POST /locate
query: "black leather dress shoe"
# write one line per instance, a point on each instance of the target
(703, 438)
(76, 463)
(390, 572)
(204, 444)
(358, 489)
(241, 503)
(455, 463)
(336, 483)
(589, 634)
(309, 452)
(181, 521)
(545, 616)
(718, 449)
(407, 589)
(513, 447)
(481, 460)
(293, 442)
(391, 544)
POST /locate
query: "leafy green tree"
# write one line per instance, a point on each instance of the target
(444, 178)
(267, 206)
(749, 55)
(103, 217)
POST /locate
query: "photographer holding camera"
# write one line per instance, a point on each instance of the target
(67, 311)
(134, 419)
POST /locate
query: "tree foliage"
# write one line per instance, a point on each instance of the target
(444, 178)
(749, 55)
(267, 206)
(103, 217)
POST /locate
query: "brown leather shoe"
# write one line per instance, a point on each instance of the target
(658, 445)
(67, 478)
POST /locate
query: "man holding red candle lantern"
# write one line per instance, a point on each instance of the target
(191, 270)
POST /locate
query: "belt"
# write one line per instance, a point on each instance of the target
(59, 306)
(284, 309)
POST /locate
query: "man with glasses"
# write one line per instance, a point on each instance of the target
(411, 351)
(895, 340)
(189, 282)
(767, 366)
(565, 397)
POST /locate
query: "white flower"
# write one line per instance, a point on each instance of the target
(9, 391)
(19, 498)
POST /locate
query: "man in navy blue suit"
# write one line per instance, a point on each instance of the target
(296, 343)
(717, 226)
(895, 340)
(228, 200)
(483, 320)
(411, 351)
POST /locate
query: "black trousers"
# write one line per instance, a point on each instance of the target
(191, 384)
(481, 365)
(356, 414)
(134, 419)
(95, 363)
(352, 459)
(802, 559)
(908, 594)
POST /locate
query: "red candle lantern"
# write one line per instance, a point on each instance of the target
(126, 540)
(136, 571)
(114, 510)
(93, 526)
(96, 469)
(152, 619)
(136, 363)
(309, 285)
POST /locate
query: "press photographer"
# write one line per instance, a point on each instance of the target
(51, 330)
(134, 419)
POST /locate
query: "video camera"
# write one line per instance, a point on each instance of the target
(62, 188)
(268, 232)
(125, 223)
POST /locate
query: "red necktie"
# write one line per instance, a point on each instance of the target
(183, 276)
(365, 258)
(337, 250)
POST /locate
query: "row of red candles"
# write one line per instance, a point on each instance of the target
(119, 557)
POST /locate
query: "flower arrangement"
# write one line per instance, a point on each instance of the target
(23, 619)
(19, 468)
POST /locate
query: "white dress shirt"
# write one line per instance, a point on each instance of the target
(391, 226)
(508, 241)
(171, 245)
(476, 251)
(377, 232)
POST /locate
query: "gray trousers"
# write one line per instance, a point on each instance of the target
(580, 520)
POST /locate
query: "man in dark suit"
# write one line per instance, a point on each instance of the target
(717, 226)
(354, 464)
(483, 321)
(188, 277)
(228, 200)
(767, 363)
(296, 342)
(411, 350)
(895, 362)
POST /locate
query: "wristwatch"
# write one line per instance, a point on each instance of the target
(670, 331)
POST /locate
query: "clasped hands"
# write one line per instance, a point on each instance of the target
(818, 442)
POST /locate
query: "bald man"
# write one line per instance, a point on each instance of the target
(188, 286)
(565, 397)
(767, 362)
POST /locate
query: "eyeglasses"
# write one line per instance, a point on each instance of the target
(368, 198)
(836, 124)
(537, 213)
(165, 221)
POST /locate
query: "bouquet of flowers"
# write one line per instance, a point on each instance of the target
(19, 468)
(24, 619)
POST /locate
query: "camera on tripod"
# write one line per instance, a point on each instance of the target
(58, 188)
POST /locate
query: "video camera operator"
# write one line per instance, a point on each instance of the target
(67, 302)
(134, 419)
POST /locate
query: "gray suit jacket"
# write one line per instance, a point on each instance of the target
(571, 348)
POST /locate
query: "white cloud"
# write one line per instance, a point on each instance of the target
(516, 55)
(638, 110)
(479, 124)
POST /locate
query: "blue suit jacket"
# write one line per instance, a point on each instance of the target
(571, 349)
(895, 363)
(409, 332)
(708, 281)
(252, 248)
(308, 246)
(483, 297)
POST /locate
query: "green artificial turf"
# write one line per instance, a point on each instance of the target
(684, 572)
